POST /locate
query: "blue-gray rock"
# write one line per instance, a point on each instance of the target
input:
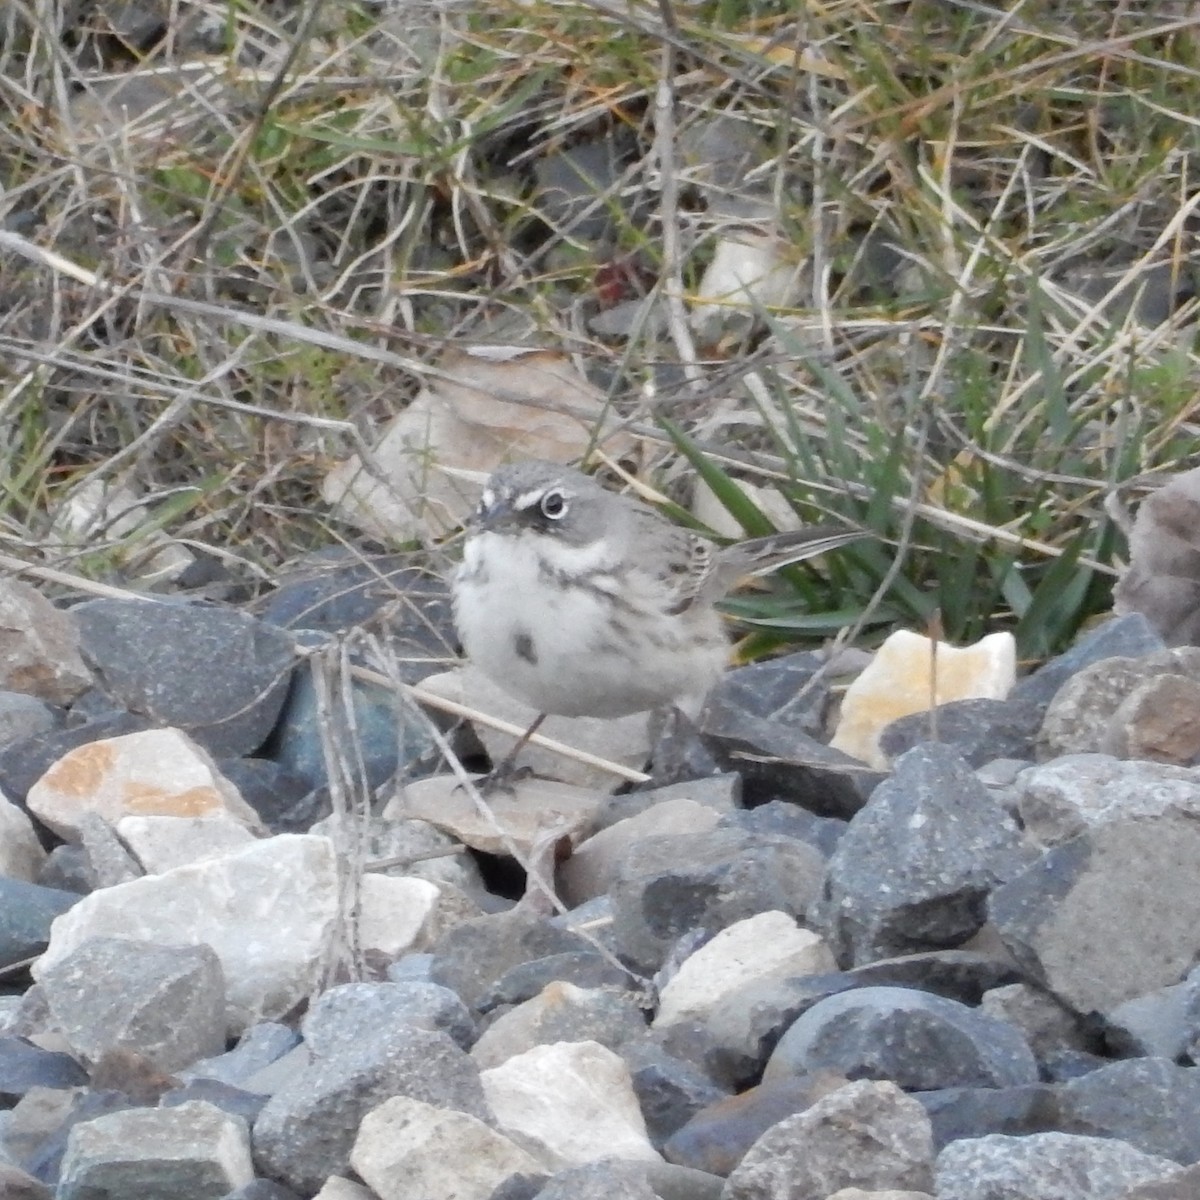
(68, 868)
(584, 968)
(336, 591)
(790, 820)
(670, 1092)
(918, 1041)
(577, 187)
(411, 968)
(1130, 636)
(672, 886)
(387, 733)
(165, 1003)
(26, 911)
(745, 1027)
(607, 1179)
(261, 1189)
(722, 793)
(216, 673)
(341, 1017)
(779, 690)
(23, 717)
(1044, 1166)
(87, 1106)
(257, 1048)
(472, 956)
(1155, 1025)
(915, 868)
(307, 1128)
(226, 1097)
(285, 802)
(24, 1066)
(965, 975)
(1070, 922)
(978, 731)
(716, 1139)
(972, 1112)
(1052, 1030)
(779, 758)
(1151, 1103)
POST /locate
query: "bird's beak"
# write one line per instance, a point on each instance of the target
(493, 513)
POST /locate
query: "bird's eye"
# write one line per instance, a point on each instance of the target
(554, 505)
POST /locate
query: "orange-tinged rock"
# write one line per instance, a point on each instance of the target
(157, 772)
(899, 681)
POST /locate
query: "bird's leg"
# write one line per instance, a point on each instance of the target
(501, 777)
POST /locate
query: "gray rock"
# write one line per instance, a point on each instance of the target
(785, 819)
(716, 1139)
(577, 186)
(672, 886)
(722, 793)
(561, 1013)
(1155, 1024)
(1049, 1027)
(166, 1003)
(607, 1179)
(1110, 914)
(1131, 636)
(1080, 718)
(1060, 799)
(306, 1130)
(39, 646)
(229, 1099)
(257, 1048)
(86, 1105)
(23, 716)
(670, 1091)
(24, 1066)
(386, 732)
(921, 1042)
(284, 802)
(16, 1184)
(964, 975)
(978, 731)
(109, 859)
(1044, 1166)
(1149, 1103)
(194, 1150)
(583, 968)
(967, 1112)
(746, 1027)
(472, 956)
(1183, 1185)
(341, 1017)
(26, 913)
(866, 1134)
(778, 758)
(213, 671)
(261, 1189)
(915, 867)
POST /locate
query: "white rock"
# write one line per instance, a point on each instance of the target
(156, 772)
(409, 1150)
(898, 682)
(766, 946)
(594, 864)
(21, 854)
(569, 1103)
(163, 843)
(338, 1188)
(268, 912)
(396, 914)
(748, 272)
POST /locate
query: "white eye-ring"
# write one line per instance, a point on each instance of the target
(554, 504)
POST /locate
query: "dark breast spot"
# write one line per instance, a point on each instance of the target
(524, 648)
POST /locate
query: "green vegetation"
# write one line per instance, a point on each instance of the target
(992, 351)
